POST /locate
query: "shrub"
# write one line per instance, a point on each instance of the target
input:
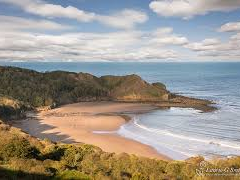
(30, 166)
(174, 168)
(7, 174)
(71, 175)
(17, 147)
(72, 156)
(54, 152)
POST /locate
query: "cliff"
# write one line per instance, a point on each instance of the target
(36, 89)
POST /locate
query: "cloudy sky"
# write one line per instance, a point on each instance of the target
(120, 30)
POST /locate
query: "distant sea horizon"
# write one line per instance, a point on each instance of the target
(177, 132)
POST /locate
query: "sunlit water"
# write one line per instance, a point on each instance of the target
(178, 132)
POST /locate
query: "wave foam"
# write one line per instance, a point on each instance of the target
(167, 133)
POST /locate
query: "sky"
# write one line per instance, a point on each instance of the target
(120, 30)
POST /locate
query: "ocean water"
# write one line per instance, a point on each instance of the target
(177, 132)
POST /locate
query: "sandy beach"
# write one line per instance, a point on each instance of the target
(79, 122)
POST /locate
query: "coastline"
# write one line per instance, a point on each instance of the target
(86, 123)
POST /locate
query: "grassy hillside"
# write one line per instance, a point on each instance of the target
(54, 88)
(25, 157)
(133, 88)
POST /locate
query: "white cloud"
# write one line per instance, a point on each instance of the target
(121, 45)
(189, 8)
(236, 37)
(124, 19)
(163, 31)
(230, 27)
(205, 45)
(214, 48)
(217, 49)
(18, 23)
(210, 42)
(165, 36)
(42, 8)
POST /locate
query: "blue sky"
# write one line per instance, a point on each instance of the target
(114, 30)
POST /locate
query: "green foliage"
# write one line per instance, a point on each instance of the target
(17, 147)
(72, 156)
(82, 161)
(11, 108)
(10, 174)
(54, 152)
(59, 87)
(30, 166)
(175, 169)
(61, 161)
(72, 175)
(44, 89)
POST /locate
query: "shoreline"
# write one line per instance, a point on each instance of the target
(79, 122)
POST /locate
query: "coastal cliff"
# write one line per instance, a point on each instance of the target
(36, 89)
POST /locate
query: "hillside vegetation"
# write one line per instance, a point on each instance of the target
(25, 157)
(11, 108)
(34, 89)
(55, 88)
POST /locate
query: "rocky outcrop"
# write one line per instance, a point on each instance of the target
(186, 102)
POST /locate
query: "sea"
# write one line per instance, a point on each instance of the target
(177, 132)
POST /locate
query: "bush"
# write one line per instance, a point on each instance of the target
(17, 147)
(81, 161)
(7, 174)
(72, 156)
(54, 152)
(30, 166)
(174, 169)
(71, 175)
